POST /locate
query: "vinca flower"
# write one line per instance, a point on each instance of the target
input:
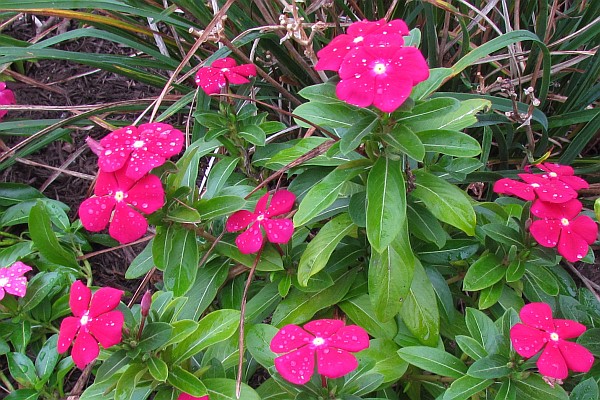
(512, 187)
(7, 98)
(138, 149)
(119, 201)
(95, 321)
(12, 280)
(540, 331)
(221, 72)
(326, 339)
(563, 173)
(278, 230)
(185, 396)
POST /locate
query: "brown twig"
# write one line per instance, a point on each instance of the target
(585, 280)
(97, 253)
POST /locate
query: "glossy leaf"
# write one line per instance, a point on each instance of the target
(484, 272)
(434, 360)
(453, 143)
(465, 387)
(404, 139)
(186, 382)
(182, 262)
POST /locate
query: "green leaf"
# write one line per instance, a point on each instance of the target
(213, 328)
(128, 381)
(492, 367)
(490, 295)
(386, 202)
(269, 261)
(23, 394)
(503, 234)
(113, 364)
(483, 329)
(225, 389)
(446, 201)
(258, 342)
(453, 250)
(321, 93)
(541, 278)
(158, 368)
(185, 381)
(471, 347)
(182, 262)
(181, 330)
(338, 115)
(507, 391)
(461, 118)
(590, 339)
(465, 387)
(424, 225)
(484, 272)
(40, 229)
(219, 206)
(420, 310)
(188, 164)
(324, 193)
(141, 264)
(14, 193)
(20, 336)
(47, 359)
(253, 134)
(38, 288)
(183, 214)
(404, 139)
(353, 136)
(154, 335)
(515, 270)
(437, 76)
(534, 387)
(360, 311)
(218, 175)
(390, 277)
(434, 360)
(453, 143)
(585, 390)
(208, 281)
(21, 368)
(319, 250)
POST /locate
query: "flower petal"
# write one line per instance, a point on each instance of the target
(225, 62)
(515, 188)
(526, 340)
(298, 366)
(568, 329)
(281, 203)
(250, 241)
(105, 299)
(351, 338)
(278, 230)
(332, 55)
(575, 182)
(585, 227)
(289, 338)
(95, 212)
(578, 358)
(141, 162)
(408, 62)
(127, 224)
(239, 220)
(85, 350)
(544, 209)
(107, 328)
(68, 329)
(245, 70)
(546, 231)
(147, 195)
(185, 396)
(391, 93)
(571, 245)
(162, 139)
(117, 147)
(357, 90)
(19, 268)
(335, 363)
(211, 80)
(261, 204)
(538, 315)
(552, 363)
(324, 328)
(79, 298)
(17, 286)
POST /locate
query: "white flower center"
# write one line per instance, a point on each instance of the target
(85, 319)
(358, 39)
(260, 217)
(138, 143)
(3, 282)
(224, 69)
(119, 195)
(318, 341)
(379, 68)
(554, 336)
(564, 222)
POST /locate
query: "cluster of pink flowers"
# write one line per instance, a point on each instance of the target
(555, 204)
(13, 281)
(124, 189)
(374, 65)
(7, 98)
(223, 72)
(278, 230)
(327, 340)
(95, 322)
(539, 330)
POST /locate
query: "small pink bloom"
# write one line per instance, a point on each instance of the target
(512, 187)
(278, 230)
(12, 280)
(328, 339)
(119, 200)
(539, 330)
(7, 98)
(332, 55)
(185, 396)
(379, 74)
(95, 321)
(563, 173)
(138, 148)
(225, 70)
(561, 225)
(548, 189)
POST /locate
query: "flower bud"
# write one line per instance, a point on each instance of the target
(146, 302)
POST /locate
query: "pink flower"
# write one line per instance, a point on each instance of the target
(185, 396)
(328, 339)
(563, 173)
(380, 74)
(561, 225)
(512, 187)
(94, 322)
(127, 198)
(332, 55)
(7, 97)
(539, 330)
(221, 72)
(278, 230)
(140, 149)
(548, 189)
(12, 280)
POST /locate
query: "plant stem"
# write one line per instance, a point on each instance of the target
(6, 382)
